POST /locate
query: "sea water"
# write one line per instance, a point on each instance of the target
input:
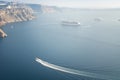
(92, 47)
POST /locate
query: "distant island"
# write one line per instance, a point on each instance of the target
(13, 12)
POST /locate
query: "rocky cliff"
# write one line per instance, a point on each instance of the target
(2, 33)
(14, 13)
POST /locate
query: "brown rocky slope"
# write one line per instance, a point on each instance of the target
(14, 14)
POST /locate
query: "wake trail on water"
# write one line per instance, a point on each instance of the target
(73, 71)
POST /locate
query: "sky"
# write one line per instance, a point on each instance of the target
(77, 3)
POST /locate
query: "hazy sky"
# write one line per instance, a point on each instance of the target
(78, 3)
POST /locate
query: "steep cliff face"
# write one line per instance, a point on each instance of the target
(2, 33)
(15, 14)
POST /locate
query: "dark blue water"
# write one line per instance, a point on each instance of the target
(93, 47)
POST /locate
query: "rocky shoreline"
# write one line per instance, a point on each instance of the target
(14, 13)
(2, 33)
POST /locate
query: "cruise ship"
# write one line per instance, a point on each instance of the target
(70, 23)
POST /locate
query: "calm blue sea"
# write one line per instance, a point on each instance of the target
(93, 47)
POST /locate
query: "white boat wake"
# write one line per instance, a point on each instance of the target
(73, 71)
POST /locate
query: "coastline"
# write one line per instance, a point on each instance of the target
(12, 14)
(2, 33)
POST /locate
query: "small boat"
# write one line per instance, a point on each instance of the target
(70, 23)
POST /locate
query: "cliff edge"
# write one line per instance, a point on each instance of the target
(14, 12)
(2, 33)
